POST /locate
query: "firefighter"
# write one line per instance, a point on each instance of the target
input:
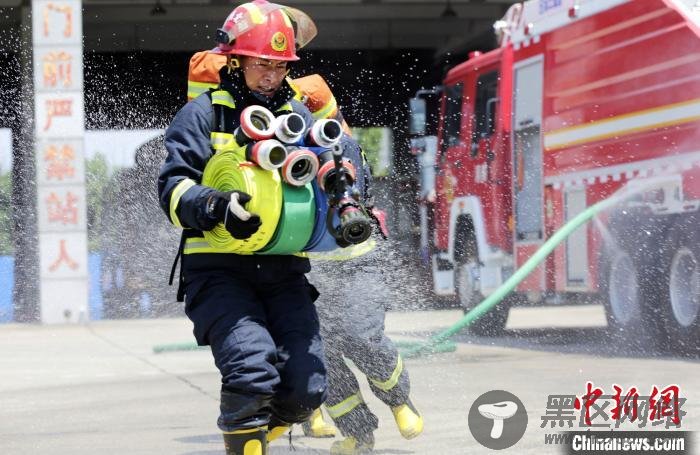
(351, 312)
(256, 312)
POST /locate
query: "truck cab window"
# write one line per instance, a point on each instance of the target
(453, 116)
(484, 108)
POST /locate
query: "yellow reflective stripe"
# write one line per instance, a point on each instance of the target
(222, 141)
(256, 15)
(198, 245)
(298, 95)
(327, 109)
(285, 107)
(393, 380)
(194, 89)
(223, 98)
(175, 196)
(247, 431)
(341, 254)
(195, 245)
(344, 406)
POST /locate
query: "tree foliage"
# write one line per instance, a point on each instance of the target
(5, 214)
(96, 181)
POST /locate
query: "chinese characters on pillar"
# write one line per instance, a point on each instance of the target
(60, 161)
(59, 129)
(56, 69)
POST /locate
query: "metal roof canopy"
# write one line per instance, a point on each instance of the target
(187, 25)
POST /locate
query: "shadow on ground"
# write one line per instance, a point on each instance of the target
(277, 449)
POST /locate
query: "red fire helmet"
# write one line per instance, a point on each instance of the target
(265, 30)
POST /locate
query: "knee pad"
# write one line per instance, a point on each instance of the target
(240, 411)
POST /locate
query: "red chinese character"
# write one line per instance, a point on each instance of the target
(589, 398)
(668, 405)
(60, 162)
(62, 213)
(63, 257)
(627, 406)
(66, 10)
(57, 68)
(57, 108)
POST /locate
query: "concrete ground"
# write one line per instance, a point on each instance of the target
(101, 389)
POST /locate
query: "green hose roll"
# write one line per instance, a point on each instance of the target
(296, 222)
(228, 170)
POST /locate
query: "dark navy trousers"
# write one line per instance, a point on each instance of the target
(259, 318)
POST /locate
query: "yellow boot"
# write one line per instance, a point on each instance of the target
(251, 441)
(316, 427)
(277, 431)
(352, 446)
(408, 420)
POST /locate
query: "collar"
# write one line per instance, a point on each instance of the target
(234, 83)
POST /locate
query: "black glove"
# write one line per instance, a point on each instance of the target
(228, 208)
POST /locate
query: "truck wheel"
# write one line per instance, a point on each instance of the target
(621, 293)
(626, 296)
(680, 298)
(466, 280)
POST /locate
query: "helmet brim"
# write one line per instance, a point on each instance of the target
(222, 51)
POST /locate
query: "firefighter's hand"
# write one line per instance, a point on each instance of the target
(238, 221)
(229, 208)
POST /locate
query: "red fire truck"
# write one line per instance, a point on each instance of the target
(582, 99)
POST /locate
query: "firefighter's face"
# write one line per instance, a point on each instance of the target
(262, 75)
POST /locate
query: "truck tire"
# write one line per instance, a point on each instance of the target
(490, 324)
(680, 292)
(627, 294)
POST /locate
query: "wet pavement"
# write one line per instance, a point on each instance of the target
(101, 389)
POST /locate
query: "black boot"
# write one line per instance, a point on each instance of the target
(251, 441)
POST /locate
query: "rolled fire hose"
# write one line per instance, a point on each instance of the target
(321, 240)
(296, 223)
(437, 340)
(228, 170)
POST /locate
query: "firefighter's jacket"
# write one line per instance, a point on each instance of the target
(188, 141)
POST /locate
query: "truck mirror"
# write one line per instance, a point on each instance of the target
(418, 116)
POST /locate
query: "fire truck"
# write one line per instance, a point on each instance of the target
(581, 100)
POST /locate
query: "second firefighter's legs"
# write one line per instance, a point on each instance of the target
(388, 380)
(317, 427)
(353, 327)
(348, 410)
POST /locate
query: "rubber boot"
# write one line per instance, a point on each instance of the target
(353, 446)
(252, 441)
(277, 429)
(316, 427)
(408, 419)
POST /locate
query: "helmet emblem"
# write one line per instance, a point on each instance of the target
(279, 42)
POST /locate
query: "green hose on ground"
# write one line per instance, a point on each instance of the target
(499, 294)
(173, 347)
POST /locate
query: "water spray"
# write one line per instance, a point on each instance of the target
(437, 342)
